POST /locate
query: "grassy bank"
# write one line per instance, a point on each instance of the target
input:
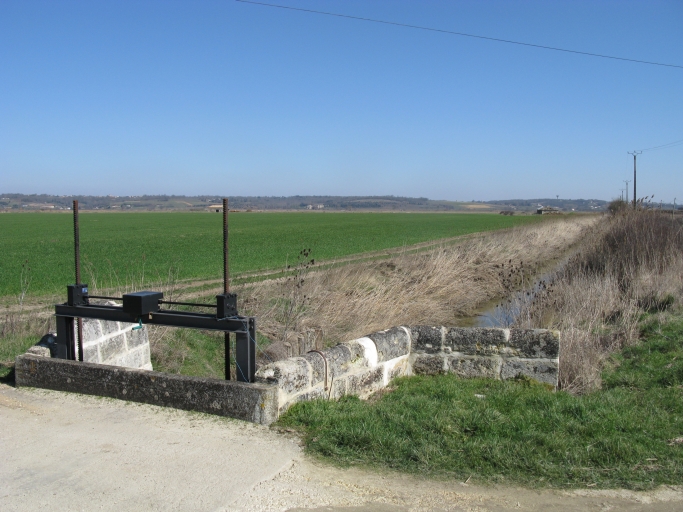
(629, 434)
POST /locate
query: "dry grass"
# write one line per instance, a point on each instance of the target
(433, 287)
(631, 264)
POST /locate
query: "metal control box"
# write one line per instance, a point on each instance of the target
(77, 294)
(226, 305)
(141, 303)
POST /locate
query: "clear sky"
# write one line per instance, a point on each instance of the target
(226, 98)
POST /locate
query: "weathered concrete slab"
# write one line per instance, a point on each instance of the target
(365, 383)
(542, 370)
(428, 364)
(476, 340)
(426, 338)
(291, 375)
(471, 366)
(251, 402)
(392, 343)
(541, 343)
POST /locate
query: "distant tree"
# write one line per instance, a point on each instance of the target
(616, 206)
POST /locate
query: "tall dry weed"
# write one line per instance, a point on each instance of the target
(432, 287)
(632, 263)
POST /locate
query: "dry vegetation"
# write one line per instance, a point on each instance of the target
(432, 287)
(631, 264)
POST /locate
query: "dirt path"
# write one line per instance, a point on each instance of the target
(63, 451)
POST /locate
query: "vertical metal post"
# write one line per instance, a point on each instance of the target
(77, 265)
(64, 348)
(226, 270)
(245, 344)
(226, 282)
(634, 181)
(626, 182)
(635, 197)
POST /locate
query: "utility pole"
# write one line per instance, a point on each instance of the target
(635, 197)
(627, 182)
(622, 193)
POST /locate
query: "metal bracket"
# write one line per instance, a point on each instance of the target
(325, 360)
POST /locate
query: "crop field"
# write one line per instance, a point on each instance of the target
(132, 249)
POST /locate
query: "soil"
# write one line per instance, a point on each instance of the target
(63, 451)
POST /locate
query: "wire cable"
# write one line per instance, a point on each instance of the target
(442, 31)
(665, 146)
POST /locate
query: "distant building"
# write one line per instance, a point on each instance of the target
(217, 208)
(545, 210)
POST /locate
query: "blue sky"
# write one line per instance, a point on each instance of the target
(221, 97)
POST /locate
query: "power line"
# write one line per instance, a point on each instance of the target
(664, 146)
(406, 25)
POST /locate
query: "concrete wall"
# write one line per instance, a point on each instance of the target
(358, 367)
(363, 366)
(250, 402)
(111, 343)
(116, 344)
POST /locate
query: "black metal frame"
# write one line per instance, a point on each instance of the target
(244, 327)
(145, 308)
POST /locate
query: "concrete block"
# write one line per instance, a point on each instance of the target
(112, 348)
(291, 375)
(396, 368)
(338, 388)
(339, 360)
(137, 337)
(476, 340)
(542, 343)
(131, 359)
(109, 327)
(39, 350)
(428, 364)
(469, 366)
(251, 402)
(146, 357)
(317, 364)
(369, 351)
(394, 342)
(91, 354)
(542, 370)
(365, 383)
(426, 338)
(92, 330)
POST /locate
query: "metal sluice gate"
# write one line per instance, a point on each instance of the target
(145, 307)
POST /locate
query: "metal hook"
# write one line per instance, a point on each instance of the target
(139, 326)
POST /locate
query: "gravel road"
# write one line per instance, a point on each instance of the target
(67, 452)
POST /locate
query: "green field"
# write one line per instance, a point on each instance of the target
(119, 249)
